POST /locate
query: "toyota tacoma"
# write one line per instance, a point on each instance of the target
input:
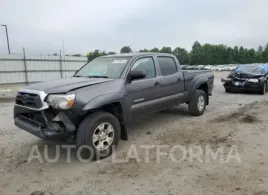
(95, 106)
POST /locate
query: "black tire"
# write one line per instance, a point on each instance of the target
(228, 90)
(193, 103)
(263, 89)
(86, 130)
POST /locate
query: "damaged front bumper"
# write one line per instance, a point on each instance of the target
(242, 86)
(46, 124)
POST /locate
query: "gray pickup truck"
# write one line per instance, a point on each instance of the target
(96, 104)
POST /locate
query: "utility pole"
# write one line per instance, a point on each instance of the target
(7, 38)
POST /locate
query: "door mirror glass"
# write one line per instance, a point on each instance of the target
(137, 74)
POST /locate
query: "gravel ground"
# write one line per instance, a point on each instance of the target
(234, 122)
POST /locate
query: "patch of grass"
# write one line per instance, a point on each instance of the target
(250, 119)
(243, 114)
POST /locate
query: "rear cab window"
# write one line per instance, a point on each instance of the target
(167, 65)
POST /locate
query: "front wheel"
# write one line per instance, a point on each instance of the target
(228, 90)
(198, 102)
(98, 135)
(263, 89)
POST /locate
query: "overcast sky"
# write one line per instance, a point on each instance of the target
(42, 26)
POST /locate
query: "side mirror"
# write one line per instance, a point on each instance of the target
(137, 74)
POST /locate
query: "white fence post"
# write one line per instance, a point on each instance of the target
(25, 67)
(61, 73)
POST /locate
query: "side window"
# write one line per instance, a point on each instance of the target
(167, 65)
(146, 64)
(266, 70)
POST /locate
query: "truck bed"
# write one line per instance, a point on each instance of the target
(196, 71)
(191, 75)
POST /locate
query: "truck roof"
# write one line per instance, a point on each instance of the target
(137, 54)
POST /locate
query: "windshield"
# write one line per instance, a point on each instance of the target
(250, 69)
(109, 67)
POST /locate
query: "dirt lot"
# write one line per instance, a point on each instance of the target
(231, 121)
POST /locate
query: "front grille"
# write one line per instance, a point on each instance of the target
(33, 117)
(38, 117)
(28, 100)
(240, 79)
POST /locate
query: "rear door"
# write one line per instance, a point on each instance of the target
(172, 81)
(144, 94)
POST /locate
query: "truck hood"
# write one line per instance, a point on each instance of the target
(67, 84)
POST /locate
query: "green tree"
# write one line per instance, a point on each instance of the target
(259, 54)
(156, 50)
(195, 54)
(182, 55)
(260, 49)
(241, 54)
(126, 49)
(204, 54)
(230, 53)
(265, 54)
(111, 53)
(96, 53)
(166, 50)
(143, 50)
(196, 45)
(251, 56)
(236, 58)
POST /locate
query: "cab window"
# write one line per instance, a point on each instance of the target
(167, 65)
(146, 64)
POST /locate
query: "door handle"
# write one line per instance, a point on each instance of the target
(156, 84)
(179, 80)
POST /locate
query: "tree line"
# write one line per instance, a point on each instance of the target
(204, 54)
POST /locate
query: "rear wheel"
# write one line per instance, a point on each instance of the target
(198, 102)
(98, 135)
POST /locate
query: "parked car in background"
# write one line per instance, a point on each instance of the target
(213, 68)
(225, 67)
(184, 67)
(219, 68)
(190, 67)
(247, 78)
(208, 67)
(201, 67)
(231, 68)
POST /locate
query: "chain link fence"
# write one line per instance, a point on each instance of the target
(24, 69)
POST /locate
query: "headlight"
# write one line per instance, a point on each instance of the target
(253, 80)
(61, 101)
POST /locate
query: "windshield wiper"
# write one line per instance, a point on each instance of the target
(94, 76)
(97, 76)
